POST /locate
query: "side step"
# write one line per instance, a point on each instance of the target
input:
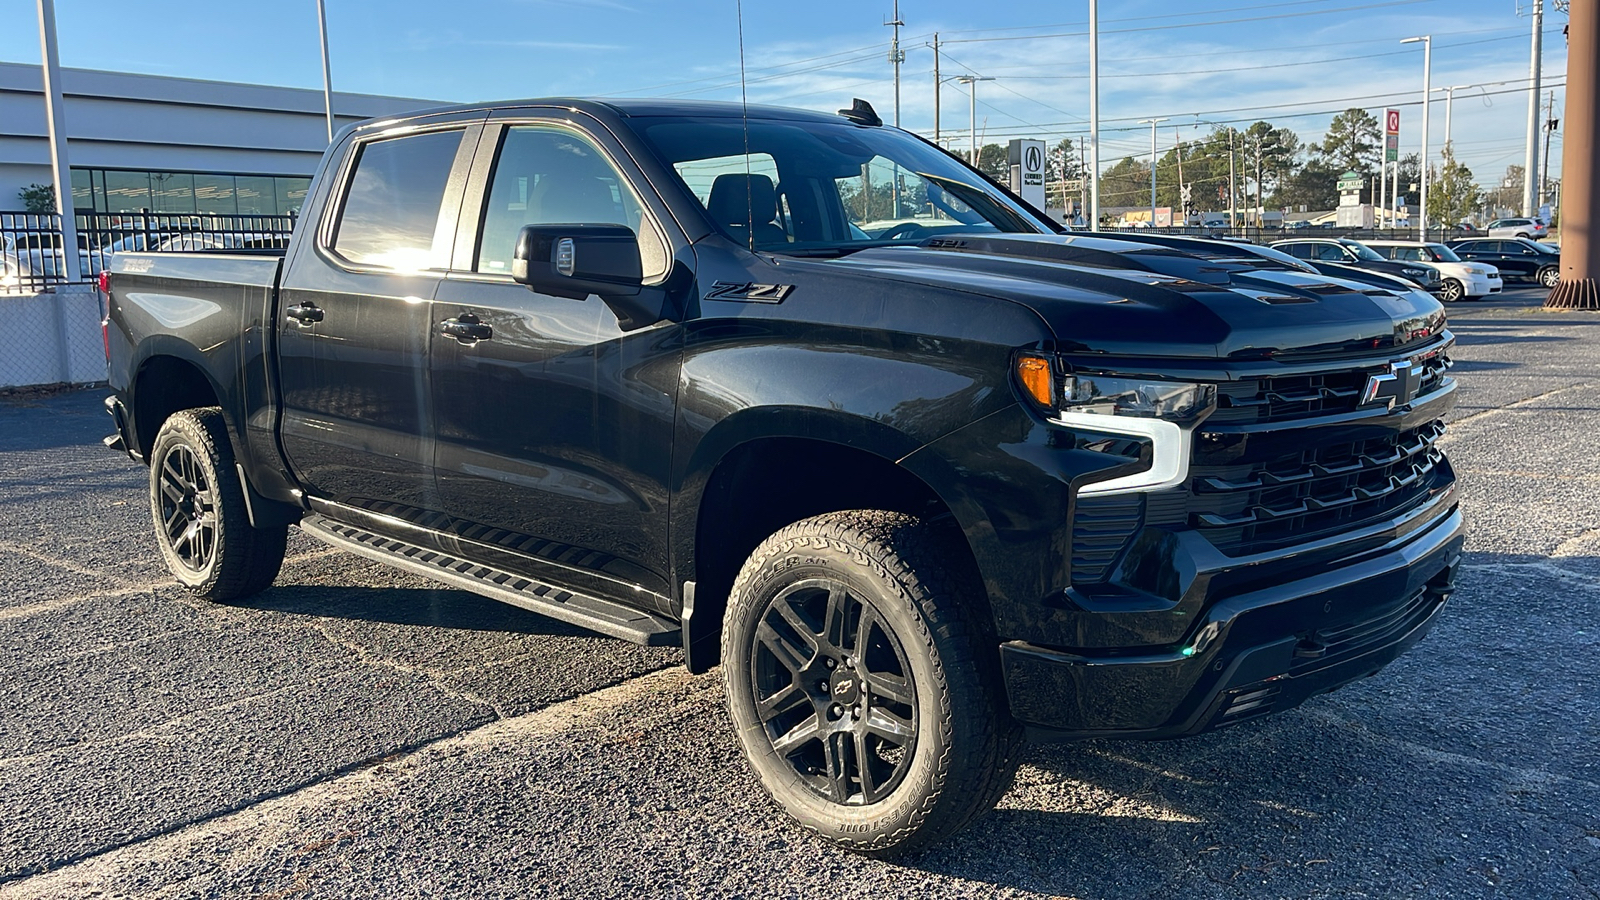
(593, 613)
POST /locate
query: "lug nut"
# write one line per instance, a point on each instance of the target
(830, 664)
(836, 711)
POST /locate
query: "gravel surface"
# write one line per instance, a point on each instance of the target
(358, 732)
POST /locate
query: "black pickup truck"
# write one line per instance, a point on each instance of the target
(817, 401)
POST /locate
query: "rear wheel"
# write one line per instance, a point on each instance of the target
(1451, 291)
(1549, 276)
(197, 505)
(864, 692)
(1524, 235)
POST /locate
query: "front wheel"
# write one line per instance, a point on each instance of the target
(1451, 291)
(1549, 276)
(864, 690)
(197, 503)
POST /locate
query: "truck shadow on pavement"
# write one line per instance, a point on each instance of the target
(1468, 765)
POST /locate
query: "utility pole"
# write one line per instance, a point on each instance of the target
(1233, 213)
(1580, 189)
(327, 77)
(60, 169)
(1094, 115)
(896, 56)
(1083, 183)
(1549, 129)
(1177, 147)
(1530, 166)
(1153, 123)
(938, 83)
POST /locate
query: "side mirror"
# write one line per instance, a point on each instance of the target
(574, 261)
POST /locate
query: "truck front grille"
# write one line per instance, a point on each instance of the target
(1101, 528)
(1288, 397)
(1251, 507)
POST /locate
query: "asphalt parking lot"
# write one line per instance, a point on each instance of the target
(357, 732)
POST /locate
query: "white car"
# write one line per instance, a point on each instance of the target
(1462, 280)
(1532, 229)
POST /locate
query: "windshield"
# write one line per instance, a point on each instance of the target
(1441, 253)
(1362, 251)
(827, 187)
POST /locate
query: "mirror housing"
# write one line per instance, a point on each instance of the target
(577, 260)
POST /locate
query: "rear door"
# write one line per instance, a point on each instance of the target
(356, 319)
(554, 425)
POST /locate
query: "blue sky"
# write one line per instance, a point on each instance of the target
(1293, 63)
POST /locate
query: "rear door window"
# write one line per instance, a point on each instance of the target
(390, 213)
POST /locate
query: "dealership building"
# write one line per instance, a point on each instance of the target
(173, 145)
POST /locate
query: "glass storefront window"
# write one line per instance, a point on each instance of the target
(215, 194)
(174, 192)
(256, 194)
(116, 192)
(127, 192)
(292, 194)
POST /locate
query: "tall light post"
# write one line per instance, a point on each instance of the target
(1152, 123)
(1094, 115)
(971, 81)
(1427, 95)
(896, 57)
(60, 169)
(327, 77)
(1530, 166)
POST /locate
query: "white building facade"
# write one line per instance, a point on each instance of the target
(173, 145)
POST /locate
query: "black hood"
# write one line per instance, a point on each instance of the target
(1126, 298)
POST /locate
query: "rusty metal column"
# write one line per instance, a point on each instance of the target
(1580, 189)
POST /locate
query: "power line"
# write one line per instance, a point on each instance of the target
(1318, 12)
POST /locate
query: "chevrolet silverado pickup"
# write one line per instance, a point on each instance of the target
(819, 403)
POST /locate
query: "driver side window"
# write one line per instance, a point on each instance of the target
(546, 175)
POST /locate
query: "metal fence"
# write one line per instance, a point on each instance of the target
(31, 258)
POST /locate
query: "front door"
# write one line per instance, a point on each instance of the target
(356, 323)
(554, 425)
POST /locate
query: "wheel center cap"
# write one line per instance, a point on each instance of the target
(845, 687)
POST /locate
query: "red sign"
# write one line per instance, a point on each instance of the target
(1391, 121)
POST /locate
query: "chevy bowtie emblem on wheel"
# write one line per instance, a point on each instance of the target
(1396, 387)
(843, 687)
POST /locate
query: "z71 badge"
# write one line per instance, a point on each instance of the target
(754, 293)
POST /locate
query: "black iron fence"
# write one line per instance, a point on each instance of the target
(32, 259)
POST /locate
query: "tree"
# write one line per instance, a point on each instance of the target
(1351, 143)
(994, 160)
(1270, 153)
(39, 199)
(1126, 184)
(1410, 179)
(1314, 186)
(1452, 196)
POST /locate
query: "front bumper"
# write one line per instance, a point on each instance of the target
(1483, 285)
(1256, 652)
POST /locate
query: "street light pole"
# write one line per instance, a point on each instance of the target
(1152, 123)
(937, 84)
(1427, 95)
(60, 169)
(327, 77)
(1530, 167)
(1094, 115)
(971, 81)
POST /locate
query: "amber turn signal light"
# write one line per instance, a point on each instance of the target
(1033, 373)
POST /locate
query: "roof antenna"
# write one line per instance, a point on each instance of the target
(744, 108)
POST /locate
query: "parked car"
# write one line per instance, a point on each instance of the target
(1519, 258)
(920, 495)
(37, 255)
(1345, 251)
(1518, 228)
(1462, 280)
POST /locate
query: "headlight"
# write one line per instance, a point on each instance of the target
(1164, 413)
(1415, 274)
(1102, 395)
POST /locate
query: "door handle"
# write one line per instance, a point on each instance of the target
(304, 313)
(466, 328)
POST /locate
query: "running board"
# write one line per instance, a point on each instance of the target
(592, 613)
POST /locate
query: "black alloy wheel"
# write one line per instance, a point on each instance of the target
(197, 506)
(834, 691)
(188, 508)
(863, 680)
(1451, 291)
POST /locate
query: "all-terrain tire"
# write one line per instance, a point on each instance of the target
(198, 508)
(915, 583)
